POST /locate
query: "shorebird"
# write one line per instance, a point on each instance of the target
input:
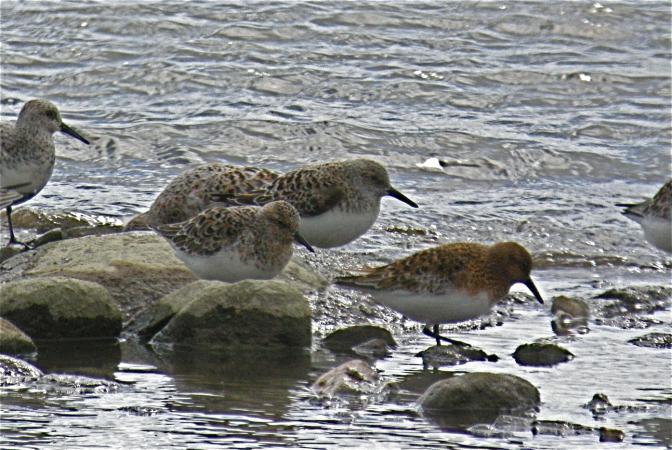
(27, 153)
(236, 243)
(449, 283)
(655, 217)
(338, 201)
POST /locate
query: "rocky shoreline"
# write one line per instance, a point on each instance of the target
(129, 285)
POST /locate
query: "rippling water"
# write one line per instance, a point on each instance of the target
(504, 120)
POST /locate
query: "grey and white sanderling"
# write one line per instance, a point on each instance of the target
(192, 191)
(655, 217)
(236, 243)
(27, 153)
(449, 283)
(338, 201)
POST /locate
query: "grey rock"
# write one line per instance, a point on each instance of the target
(541, 355)
(345, 339)
(58, 307)
(478, 397)
(634, 300)
(351, 377)
(13, 341)
(16, 371)
(453, 355)
(653, 340)
(250, 312)
(373, 348)
(574, 307)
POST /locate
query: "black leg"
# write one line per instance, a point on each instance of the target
(12, 238)
(435, 334)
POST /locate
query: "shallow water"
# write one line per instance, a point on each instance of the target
(543, 114)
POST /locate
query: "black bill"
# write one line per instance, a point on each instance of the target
(70, 131)
(392, 192)
(298, 238)
(530, 285)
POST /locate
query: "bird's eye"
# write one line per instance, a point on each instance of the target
(51, 114)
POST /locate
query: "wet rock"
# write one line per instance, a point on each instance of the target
(635, 300)
(659, 429)
(41, 221)
(345, 339)
(50, 236)
(599, 404)
(59, 307)
(65, 384)
(574, 307)
(303, 278)
(611, 435)
(452, 355)
(560, 428)
(541, 355)
(16, 371)
(373, 348)
(477, 397)
(250, 312)
(352, 377)
(137, 269)
(653, 340)
(13, 341)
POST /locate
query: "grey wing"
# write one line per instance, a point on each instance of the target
(8, 196)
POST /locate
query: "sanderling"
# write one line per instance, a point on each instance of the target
(27, 152)
(337, 201)
(236, 243)
(191, 192)
(449, 283)
(655, 217)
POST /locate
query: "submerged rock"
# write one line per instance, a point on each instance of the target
(13, 341)
(59, 307)
(560, 428)
(599, 404)
(453, 355)
(351, 377)
(479, 397)
(569, 315)
(346, 339)
(635, 299)
(541, 355)
(250, 312)
(653, 340)
(611, 435)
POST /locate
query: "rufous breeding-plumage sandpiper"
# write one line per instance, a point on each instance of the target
(449, 283)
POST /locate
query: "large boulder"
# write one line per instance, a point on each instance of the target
(250, 312)
(137, 268)
(478, 397)
(13, 341)
(58, 307)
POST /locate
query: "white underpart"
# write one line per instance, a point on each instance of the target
(224, 265)
(450, 307)
(336, 227)
(658, 231)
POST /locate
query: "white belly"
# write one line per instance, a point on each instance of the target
(658, 232)
(335, 227)
(455, 306)
(225, 266)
